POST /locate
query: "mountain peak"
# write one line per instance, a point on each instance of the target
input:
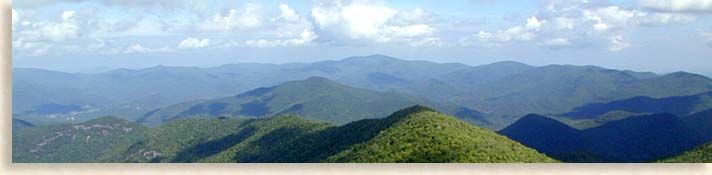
(507, 63)
(534, 120)
(403, 113)
(317, 79)
(377, 57)
(683, 74)
(435, 137)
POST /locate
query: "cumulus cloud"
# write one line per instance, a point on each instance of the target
(525, 32)
(138, 48)
(67, 28)
(590, 23)
(248, 17)
(361, 21)
(305, 38)
(193, 43)
(288, 13)
(557, 42)
(678, 5)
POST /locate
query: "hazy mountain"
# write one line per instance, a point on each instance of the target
(634, 139)
(561, 88)
(415, 134)
(316, 98)
(504, 89)
(678, 105)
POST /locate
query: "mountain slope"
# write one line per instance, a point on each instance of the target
(547, 135)
(219, 140)
(97, 140)
(317, 98)
(701, 154)
(427, 136)
(18, 125)
(701, 123)
(424, 135)
(642, 138)
(633, 139)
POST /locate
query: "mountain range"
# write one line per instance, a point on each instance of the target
(414, 134)
(316, 98)
(342, 111)
(504, 90)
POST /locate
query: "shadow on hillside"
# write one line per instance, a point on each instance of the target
(287, 146)
(208, 149)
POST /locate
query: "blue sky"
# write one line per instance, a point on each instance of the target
(92, 35)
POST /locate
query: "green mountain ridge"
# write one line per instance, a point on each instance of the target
(286, 138)
(425, 135)
(316, 97)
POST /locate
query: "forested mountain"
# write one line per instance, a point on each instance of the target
(701, 154)
(506, 90)
(98, 140)
(414, 134)
(423, 135)
(316, 98)
(634, 139)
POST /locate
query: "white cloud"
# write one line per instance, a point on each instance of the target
(68, 28)
(306, 37)
(30, 48)
(429, 41)
(663, 18)
(192, 43)
(577, 23)
(610, 17)
(678, 5)
(524, 32)
(557, 42)
(533, 23)
(287, 13)
(564, 23)
(15, 18)
(410, 30)
(138, 48)
(365, 19)
(249, 17)
(362, 21)
(617, 43)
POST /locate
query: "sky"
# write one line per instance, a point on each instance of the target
(661, 36)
